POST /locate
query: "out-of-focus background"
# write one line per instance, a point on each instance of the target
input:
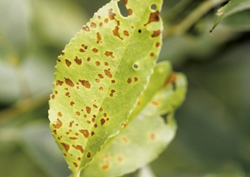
(213, 137)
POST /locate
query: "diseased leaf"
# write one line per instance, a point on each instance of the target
(100, 76)
(146, 136)
(232, 7)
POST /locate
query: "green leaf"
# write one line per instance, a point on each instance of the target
(145, 136)
(100, 76)
(232, 7)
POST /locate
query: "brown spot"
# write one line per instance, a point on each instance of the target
(120, 159)
(95, 106)
(54, 131)
(100, 88)
(84, 46)
(85, 28)
(79, 158)
(68, 63)
(100, 24)
(93, 25)
(97, 63)
(58, 124)
(67, 94)
(109, 54)
(88, 59)
(72, 103)
(130, 12)
(69, 82)
(95, 50)
(85, 133)
(78, 147)
(152, 136)
(97, 80)
(88, 155)
(92, 133)
(73, 138)
(135, 79)
(107, 119)
(59, 114)
(107, 73)
(85, 83)
(88, 122)
(125, 32)
(93, 120)
(105, 114)
(112, 81)
(106, 165)
(62, 53)
(101, 76)
(66, 146)
(58, 60)
(56, 92)
(111, 95)
(106, 63)
(116, 32)
(85, 116)
(157, 44)
(156, 33)
(101, 109)
(88, 109)
(138, 103)
(111, 15)
(124, 139)
(112, 91)
(151, 54)
(154, 17)
(102, 121)
(78, 61)
(60, 137)
(171, 78)
(123, 125)
(81, 50)
(75, 164)
(129, 80)
(106, 20)
(99, 17)
(58, 82)
(64, 155)
(71, 123)
(155, 103)
(78, 113)
(95, 125)
(99, 38)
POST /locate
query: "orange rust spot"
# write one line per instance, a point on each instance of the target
(111, 14)
(66, 146)
(92, 133)
(125, 32)
(85, 133)
(106, 63)
(97, 63)
(101, 76)
(100, 88)
(58, 82)
(85, 83)
(120, 159)
(135, 79)
(130, 11)
(59, 114)
(102, 121)
(95, 125)
(95, 106)
(69, 82)
(109, 54)
(93, 25)
(116, 32)
(129, 80)
(78, 147)
(151, 54)
(97, 80)
(78, 61)
(156, 33)
(107, 73)
(73, 138)
(155, 103)
(171, 78)
(58, 124)
(88, 59)
(152, 136)
(88, 155)
(68, 63)
(85, 28)
(157, 44)
(88, 109)
(154, 17)
(72, 103)
(95, 50)
(98, 37)
(75, 164)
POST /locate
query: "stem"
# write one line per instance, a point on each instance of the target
(193, 17)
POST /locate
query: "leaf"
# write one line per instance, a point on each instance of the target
(100, 76)
(146, 136)
(232, 7)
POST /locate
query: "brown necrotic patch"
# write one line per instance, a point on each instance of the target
(54, 131)
(92, 133)
(75, 164)
(59, 114)
(95, 106)
(101, 76)
(98, 37)
(67, 94)
(130, 11)
(85, 133)
(100, 88)
(157, 44)
(116, 33)
(88, 59)
(125, 2)
(78, 158)
(129, 80)
(78, 113)
(88, 109)
(107, 73)
(106, 20)
(95, 125)
(109, 54)
(78, 147)
(85, 28)
(73, 138)
(97, 63)
(154, 17)
(156, 33)
(71, 123)
(101, 109)
(84, 46)
(58, 60)
(58, 124)
(72, 103)
(106, 63)
(97, 80)
(66, 146)
(85, 83)
(111, 14)
(81, 50)
(78, 60)
(68, 63)
(105, 114)
(95, 50)
(125, 32)
(135, 79)
(102, 121)
(69, 82)
(93, 25)
(100, 24)
(58, 82)
(112, 81)
(151, 54)
(88, 155)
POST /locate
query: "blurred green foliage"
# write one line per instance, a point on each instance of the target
(213, 137)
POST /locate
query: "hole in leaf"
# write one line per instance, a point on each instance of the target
(135, 66)
(123, 10)
(139, 31)
(153, 7)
